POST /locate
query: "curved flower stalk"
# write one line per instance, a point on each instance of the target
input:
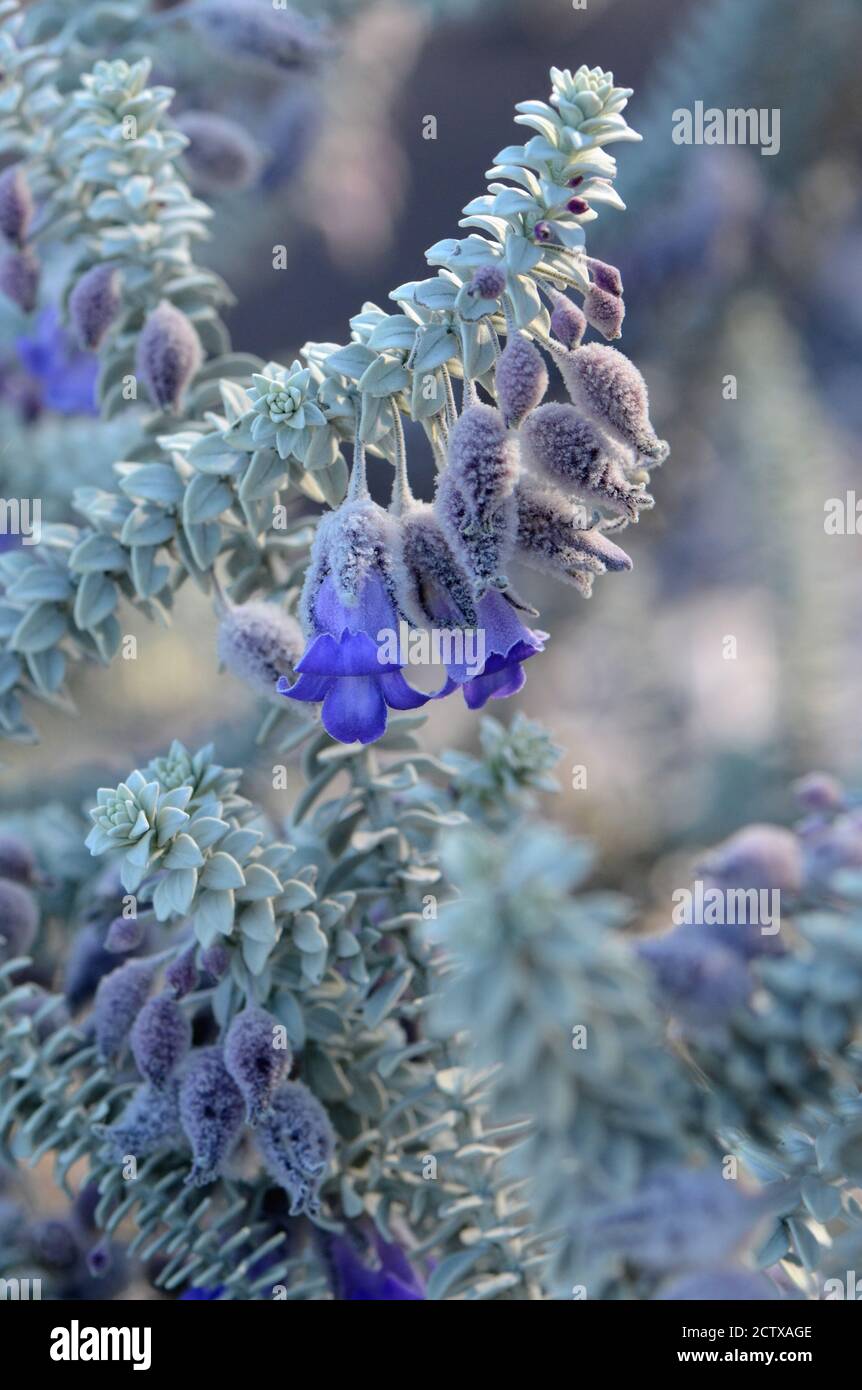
(316, 947)
(208, 499)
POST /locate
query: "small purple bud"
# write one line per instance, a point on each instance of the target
(19, 919)
(16, 205)
(211, 1111)
(181, 975)
(568, 323)
(604, 312)
(758, 856)
(221, 156)
(611, 389)
(257, 1059)
(488, 282)
(543, 231)
(169, 354)
(258, 642)
(578, 206)
(100, 1259)
(522, 379)
(607, 277)
(554, 536)
(161, 1038)
(475, 500)
(215, 961)
(576, 181)
(124, 934)
(296, 1142)
(19, 279)
(820, 792)
(94, 304)
(119, 999)
(150, 1121)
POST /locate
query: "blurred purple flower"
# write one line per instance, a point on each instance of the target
(66, 375)
(393, 1279)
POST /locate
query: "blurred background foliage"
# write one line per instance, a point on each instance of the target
(734, 263)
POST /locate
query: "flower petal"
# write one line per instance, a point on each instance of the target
(354, 710)
(398, 694)
(308, 687)
(496, 685)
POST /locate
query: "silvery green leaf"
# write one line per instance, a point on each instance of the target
(385, 997)
(332, 482)
(522, 254)
(438, 293)
(222, 872)
(396, 331)
(306, 933)
(183, 854)
(525, 300)
(206, 497)
(213, 915)
(38, 583)
(435, 345)
(174, 893)
(384, 377)
(40, 628)
(147, 525)
(258, 922)
(150, 482)
(97, 553)
(204, 541)
(450, 1270)
(47, 669)
(95, 599)
(350, 361)
(255, 954)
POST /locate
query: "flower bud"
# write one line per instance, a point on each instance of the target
(124, 934)
(697, 981)
(816, 792)
(296, 1142)
(16, 205)
(521, 378)
(258, 642)
(475, 501)
(119, 999)
(553, 536)
(221, 156)
(568, 323)
(211, 1112)
(169, 354)
(568, 447)
(215, 960)
(161, 1038)
(488, 282)
(607, 277)
(758, 856)
(604, 383)
(255, 1060)
(181, 975)
(19, 279)
(604, 311)
(88, 963)
(150, 1122)
(19, 919)
(432, 587)
(94, 304)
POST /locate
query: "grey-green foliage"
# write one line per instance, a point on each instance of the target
(542, 981)
(329, 932)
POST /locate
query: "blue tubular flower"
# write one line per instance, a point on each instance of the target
(508, 644)
(394, 1278)
(349, 605)
(66, 376)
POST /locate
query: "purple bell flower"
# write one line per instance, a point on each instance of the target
(349, 610)
(508, 644)
(65, 374)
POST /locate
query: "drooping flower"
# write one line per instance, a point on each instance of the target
(607, 277)
(558, 441)
(381, 1274)
(94, 304)
(349, 605)
(150, 1122)
(169, 353)
(255, 1060)
(556, 537)
(161, 1038)
(124, 934)
(259, 642)
(508, 644)
(604, 311)
(699, 982)
(475, 499)
(211, 1113)
(604, 383)
(119, 999)
(296, 1142)
(521, 379)
(181, 975)
(432, 587)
